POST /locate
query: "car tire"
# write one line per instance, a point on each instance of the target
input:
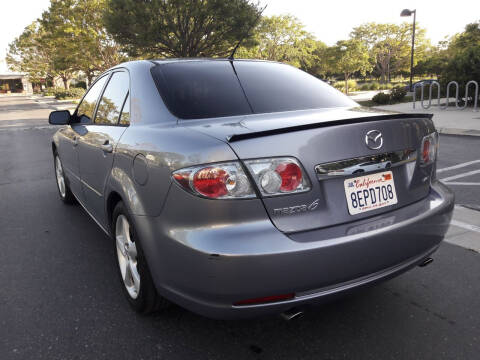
(134, 274)
(64, 191)
(358, 171)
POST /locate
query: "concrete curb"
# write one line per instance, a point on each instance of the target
(464, 230)
(446, 121)
(461, 132)
(55, 104)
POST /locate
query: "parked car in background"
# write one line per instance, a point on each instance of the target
(219, 182)
(419, 84)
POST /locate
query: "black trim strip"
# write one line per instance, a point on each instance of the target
(256, 134)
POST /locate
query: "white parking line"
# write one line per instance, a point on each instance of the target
(465, 226)
(458, 166)
(458, 176)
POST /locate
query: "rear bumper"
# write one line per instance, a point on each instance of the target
(206, 270)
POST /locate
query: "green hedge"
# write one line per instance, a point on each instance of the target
(49, 91)
(396, 95)
(374, 85)
(72, 93)
(61, 93)
(381, 99)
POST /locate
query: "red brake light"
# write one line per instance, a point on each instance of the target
(265, 299)
(291, 175)
(220, 181)
(211, 182)
(278, 176)
(426, 151)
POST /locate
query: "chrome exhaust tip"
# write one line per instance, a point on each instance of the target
(426, 262)
(291, 314)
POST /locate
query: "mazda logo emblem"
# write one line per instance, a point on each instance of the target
(374, 139)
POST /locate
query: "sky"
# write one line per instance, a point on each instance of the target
(329, 21)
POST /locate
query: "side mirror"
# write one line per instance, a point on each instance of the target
(60, 117)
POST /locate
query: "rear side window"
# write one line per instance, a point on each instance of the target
(200, 89)
(204, 89)
(87, 106)
(113, 98)
(273, 87)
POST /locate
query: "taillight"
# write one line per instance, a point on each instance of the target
(218, 181)
(278, 176)
(291, 176)
(212, 181)
(428, 149)
(274, 176)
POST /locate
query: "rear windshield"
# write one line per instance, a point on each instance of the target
(206, 89)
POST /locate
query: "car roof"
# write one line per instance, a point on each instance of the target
(200, 59)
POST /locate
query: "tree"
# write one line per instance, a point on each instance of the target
(27, 54)
(435, 61)
(463, 58)
(67, 39)
(283, 38)
(317, 64)
(180, 28)
(55, 36)
(75, 28)
(98, 49)
(349, 56)
(389, 45)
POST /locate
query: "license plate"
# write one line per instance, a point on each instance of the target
(370, 192)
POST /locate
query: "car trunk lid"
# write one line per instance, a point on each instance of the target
(319, 137)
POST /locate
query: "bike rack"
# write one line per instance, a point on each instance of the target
(448, 95)
(476, 94)
(445, 106)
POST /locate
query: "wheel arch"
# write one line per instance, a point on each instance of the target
(112, 200)
(55, 141)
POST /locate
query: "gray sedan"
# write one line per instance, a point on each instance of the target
(226, 189)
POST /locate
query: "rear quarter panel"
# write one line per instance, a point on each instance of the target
(163, 149)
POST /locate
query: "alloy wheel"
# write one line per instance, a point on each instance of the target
(127, 256)
(60, 177)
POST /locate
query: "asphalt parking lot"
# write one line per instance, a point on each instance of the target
(61, 298)
(459, 167)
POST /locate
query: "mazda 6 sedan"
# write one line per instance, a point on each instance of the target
(222, 184)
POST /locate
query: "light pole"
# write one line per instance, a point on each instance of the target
(406, 12)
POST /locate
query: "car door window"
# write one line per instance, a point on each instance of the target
(125, 115)
(113, 98)
(87, 106)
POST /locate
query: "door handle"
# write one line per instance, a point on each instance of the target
(107, 147)
(75, 141)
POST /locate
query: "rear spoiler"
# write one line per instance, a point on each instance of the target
(256, 134)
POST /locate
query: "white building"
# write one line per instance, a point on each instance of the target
(14, 83)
